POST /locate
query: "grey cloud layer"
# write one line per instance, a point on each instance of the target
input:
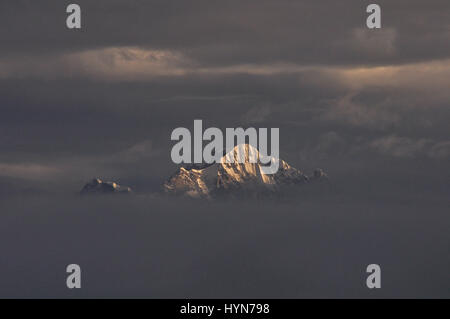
(237, 32)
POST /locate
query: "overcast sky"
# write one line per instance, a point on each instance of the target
(103, 100)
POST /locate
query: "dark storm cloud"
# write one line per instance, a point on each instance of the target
(234, 32)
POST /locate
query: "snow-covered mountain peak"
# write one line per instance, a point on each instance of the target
(97, 186)
(239, 171)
